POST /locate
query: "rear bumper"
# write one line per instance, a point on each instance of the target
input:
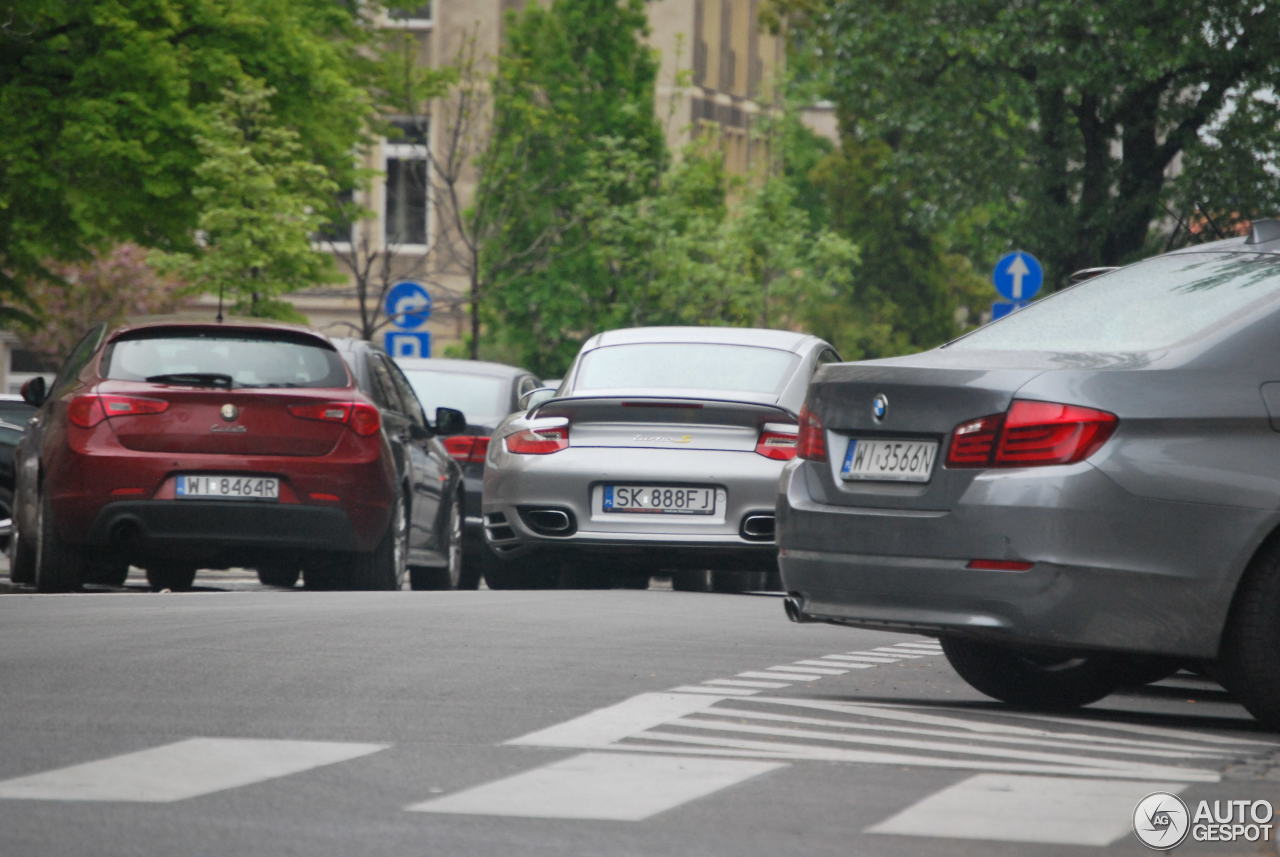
(194, 527)
(1111, 570)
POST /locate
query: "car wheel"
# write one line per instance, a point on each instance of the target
(59, 565)
(691, 581)
(107, 573)
(22, 556)
(531, 571)
(173, 576)
(1051, 681)
(6, 512)
(285, 576)
(450, 576)
(384, 567)
(1247, 666)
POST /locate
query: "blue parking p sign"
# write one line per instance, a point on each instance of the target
(403, 343)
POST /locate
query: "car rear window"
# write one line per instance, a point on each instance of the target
(1143, 307)
(251, 359)
(687, 365)
(485, 399)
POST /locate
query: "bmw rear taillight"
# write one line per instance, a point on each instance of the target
(467, 448)
(362, 418)
(1031, 434)
(88, 410)
(542, 441)
(777, 441)
(811, 441)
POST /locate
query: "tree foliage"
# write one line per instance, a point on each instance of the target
(259, 207)
(1068, 128)
(104, 103)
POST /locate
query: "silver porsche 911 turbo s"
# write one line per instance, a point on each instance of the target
(1082, 494)
(660, 451)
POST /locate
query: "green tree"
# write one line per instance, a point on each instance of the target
(104, 99)
(260, 203)
(570, 75)
(1068, 128)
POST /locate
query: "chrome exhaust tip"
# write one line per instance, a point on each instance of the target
(551, 522)
(758, 528)
(791, 605)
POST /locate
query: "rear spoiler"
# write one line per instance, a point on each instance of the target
(667, 409)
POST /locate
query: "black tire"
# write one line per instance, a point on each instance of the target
(1247, 666)
(1047, 681)
(58, 564)
(285, 576)
(476, 561)
(386, 566)
(174, 576)
(531, 571)
(450, 575)
(691, 581)
(6, 511)
(22, 557)
(107, 573)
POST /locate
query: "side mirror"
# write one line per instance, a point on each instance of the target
(450, 421)
(533, 398)
(35, 391)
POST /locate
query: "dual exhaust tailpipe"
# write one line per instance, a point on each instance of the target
(791, 605)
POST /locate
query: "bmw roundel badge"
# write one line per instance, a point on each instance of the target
(879, 407)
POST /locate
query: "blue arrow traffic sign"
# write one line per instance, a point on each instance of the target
(1018, 276)
(408, 304)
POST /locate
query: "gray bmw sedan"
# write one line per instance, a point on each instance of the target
(1080, 495)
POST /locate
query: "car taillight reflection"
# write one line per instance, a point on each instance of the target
(811, 443)
(542, 441)
(88, 410)
(363, 419)
(1031, 434)
(467, 448)
(777, 441)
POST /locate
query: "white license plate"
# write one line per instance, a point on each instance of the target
(231, 487)
(889, 460)
(659, 500)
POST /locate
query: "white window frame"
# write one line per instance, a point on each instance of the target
(398, 150)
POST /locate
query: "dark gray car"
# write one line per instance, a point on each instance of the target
(1079, 495)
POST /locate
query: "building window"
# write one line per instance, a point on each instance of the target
(405, 216)
(409, 13)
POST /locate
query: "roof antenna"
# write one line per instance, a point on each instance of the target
(1214, 226)
(219, 318)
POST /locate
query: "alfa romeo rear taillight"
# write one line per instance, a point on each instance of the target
(467, 448)
(540, 441)
(88, 410)
(777, 441)
(811, 441)
(362, 418)
(1030, 434)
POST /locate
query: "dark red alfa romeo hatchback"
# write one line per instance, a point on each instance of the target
(177, 445)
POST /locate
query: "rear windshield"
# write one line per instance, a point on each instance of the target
(1151, 305)
(258, 359)
(485, 399)
(687, 365)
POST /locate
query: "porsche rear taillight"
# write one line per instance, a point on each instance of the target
(540, 441)
(1031, 434)
(88, 410)
(362, 418)
(811, 440)
(467, 448)
(777, 441)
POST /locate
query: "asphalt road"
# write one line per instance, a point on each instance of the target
(247, 721)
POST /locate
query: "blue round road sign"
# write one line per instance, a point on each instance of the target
(409, 304)
(1018, 276)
